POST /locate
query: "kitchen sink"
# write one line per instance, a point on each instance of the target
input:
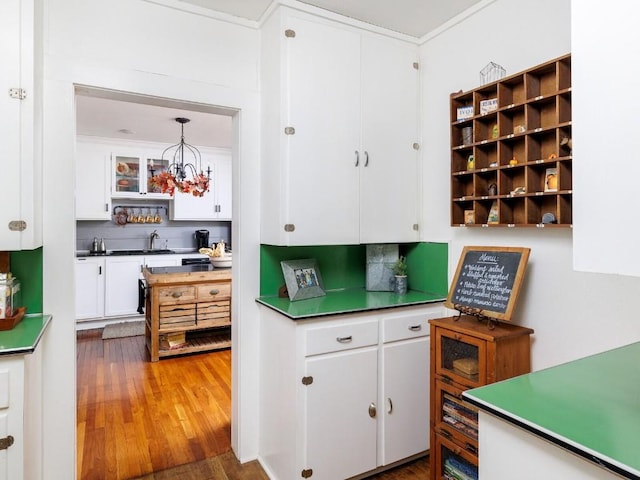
(155, 251)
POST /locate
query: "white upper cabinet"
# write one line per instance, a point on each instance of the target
(214, 204)
(339, 126)
(93, 200)
(20, 134)
(132, 170)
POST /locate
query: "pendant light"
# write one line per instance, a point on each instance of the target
(181, 175)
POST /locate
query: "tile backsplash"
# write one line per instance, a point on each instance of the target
(172, 235)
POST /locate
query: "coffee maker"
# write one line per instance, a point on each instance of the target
(202, 239)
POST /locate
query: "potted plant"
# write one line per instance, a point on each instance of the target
(400, 272)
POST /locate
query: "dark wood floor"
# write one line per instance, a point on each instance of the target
(170, 417)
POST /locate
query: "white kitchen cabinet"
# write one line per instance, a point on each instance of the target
(404, 430)
(121, 285)
(131, 174)
(90, 284)
(216, 203)
(93, 199)
(20, 134)
(332, 383)
(340, 163)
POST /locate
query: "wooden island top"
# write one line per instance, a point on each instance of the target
(185, 274)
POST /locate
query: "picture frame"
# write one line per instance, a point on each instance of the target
(302, 278)
(551, 180)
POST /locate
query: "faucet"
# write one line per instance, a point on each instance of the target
(152, 239)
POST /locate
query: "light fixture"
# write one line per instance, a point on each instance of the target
(181, 175)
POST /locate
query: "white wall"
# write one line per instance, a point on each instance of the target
(141, 47)
(605, 71)
(573, 314)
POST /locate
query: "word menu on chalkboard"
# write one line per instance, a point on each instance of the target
(487, 281)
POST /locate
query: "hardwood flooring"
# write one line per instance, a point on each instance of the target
(162, 420)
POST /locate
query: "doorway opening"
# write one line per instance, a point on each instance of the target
(98, 112)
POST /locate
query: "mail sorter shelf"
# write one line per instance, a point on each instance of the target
(511, 150)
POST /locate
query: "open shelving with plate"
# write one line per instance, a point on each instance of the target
(511, 156)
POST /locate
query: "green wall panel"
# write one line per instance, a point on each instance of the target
(26, 266)
(344, 266)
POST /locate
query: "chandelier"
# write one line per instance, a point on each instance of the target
(180, 175)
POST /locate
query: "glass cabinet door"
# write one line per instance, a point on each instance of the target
(126, 175)
(462, 358)
(452, 462)
(455, 418)
(155, 166)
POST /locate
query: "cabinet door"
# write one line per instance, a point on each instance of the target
(121, 285)
(389, 173)
(324, 108)
(462, 358)
(127, 180)
(405, 399)
(341, 434)
(20, 192)
(223, 183)
(90, 276)
(216, 203)
(93, 200)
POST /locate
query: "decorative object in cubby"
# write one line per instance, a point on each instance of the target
(514, 147)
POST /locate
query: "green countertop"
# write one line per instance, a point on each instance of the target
(24, 337)
(589, 406)
(348, 300)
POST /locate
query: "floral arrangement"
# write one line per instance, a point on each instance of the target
(168, 183)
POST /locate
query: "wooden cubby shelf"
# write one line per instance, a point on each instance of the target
(511, 165)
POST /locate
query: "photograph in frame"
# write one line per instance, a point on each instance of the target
(302, 278)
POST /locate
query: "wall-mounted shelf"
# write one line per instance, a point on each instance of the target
(512, 165)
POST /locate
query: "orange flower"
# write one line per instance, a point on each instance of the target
(168, 183)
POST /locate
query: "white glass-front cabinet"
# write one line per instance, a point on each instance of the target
(131, 175)
(214, 204)
(340, 167)
(20, 103)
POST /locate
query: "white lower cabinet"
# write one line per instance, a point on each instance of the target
(108, 286)
(344, 395)
(90, 274)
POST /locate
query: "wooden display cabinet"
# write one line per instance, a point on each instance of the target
(514, 147)
(466, 353)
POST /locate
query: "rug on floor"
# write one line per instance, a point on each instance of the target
(123, 329)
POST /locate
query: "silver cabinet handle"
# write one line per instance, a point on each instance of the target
(215, 291)
(344, 339)
(372, 410)
(415, 328)
(390, 410)
(357, 158)
(366, 158)
(176, 294)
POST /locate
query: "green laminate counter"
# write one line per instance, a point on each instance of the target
(589, 406)
(24, 337)
(348, 300)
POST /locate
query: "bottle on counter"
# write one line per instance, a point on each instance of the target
(103, 248)
(94, 245)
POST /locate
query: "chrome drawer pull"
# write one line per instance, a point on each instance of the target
(176, 294)
(215, 291)
(415, 328)
(344, 339)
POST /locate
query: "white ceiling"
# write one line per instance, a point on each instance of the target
(411, 17)
(105, 114)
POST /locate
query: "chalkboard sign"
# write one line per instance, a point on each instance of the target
(487, 281)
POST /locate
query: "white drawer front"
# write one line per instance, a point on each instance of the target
(341, 337)
(401, 327)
